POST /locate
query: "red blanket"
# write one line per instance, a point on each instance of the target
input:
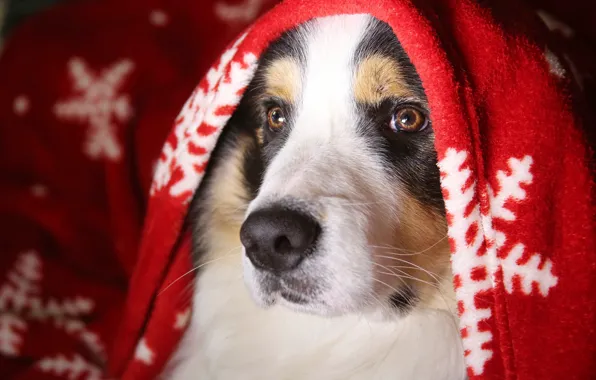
(88, 92)
(94, 249)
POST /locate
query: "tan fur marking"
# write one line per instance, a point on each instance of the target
(378, 78)
(422, 257)
(227, 201)
(282, 79)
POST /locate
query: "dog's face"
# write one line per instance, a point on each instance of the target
(346, 214)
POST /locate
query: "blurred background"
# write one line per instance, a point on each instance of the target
(15, 11)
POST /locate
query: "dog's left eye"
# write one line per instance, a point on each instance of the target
(276, 118)
(408, 119)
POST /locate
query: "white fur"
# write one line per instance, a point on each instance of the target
(231, 338)
(237, 333)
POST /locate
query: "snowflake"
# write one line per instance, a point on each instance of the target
(20, 301)
(77, 329)
(244, 12)
(39, 190)
(98, 104)
(21, 105)
(459, 193)
(554, 64)
(22, 282)
(70, 369)
(158, 17)
(11, 328)
(184, 156)
(182, 319)
(478, 246)
(143, 353)
(537, 270)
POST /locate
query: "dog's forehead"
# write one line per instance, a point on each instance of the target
(333, 62)
(330, 53)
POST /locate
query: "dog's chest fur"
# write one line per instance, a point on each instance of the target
(231, 338)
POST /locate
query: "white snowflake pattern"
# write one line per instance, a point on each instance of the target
(75, 368)
(459, 194)
(39, 190)
(144, 353)
(477, 246)
(20, 302)
(98, 103)
(537, 270)
(159, 18)
(199, 123)
(243, 12)
(554, 64)
(15, 293)
(21, 105)
(22, 283)
(182, 319)
(11, 330)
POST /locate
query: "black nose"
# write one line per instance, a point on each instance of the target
(277, 239)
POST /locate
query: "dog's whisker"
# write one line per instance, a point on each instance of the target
(434, 276)
(356, 204)
(392, 272)
(413, 266)
(386, 284)
(225, 256)
(441, 293)
(396, 249)
(404, 275)
(389, 247)
(400, 277)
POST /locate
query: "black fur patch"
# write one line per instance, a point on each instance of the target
(410, 157)
(403, 300)
(255, 105)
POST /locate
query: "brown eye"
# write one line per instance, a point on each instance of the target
(408, 119)
(276, 118)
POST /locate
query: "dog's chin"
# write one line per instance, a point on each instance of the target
(296, 302)
(268, 290)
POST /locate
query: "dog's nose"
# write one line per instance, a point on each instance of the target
(277, 239)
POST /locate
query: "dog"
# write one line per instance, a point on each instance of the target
(319, 229)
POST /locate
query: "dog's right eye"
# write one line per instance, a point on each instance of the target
(276, 118)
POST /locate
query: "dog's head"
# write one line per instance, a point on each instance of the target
(347, 214)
